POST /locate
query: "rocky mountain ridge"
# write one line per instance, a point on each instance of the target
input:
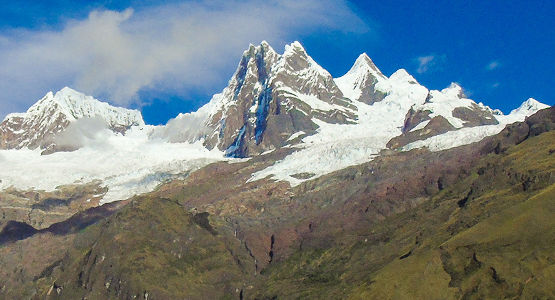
(52, 114)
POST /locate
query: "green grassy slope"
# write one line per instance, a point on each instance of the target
(490, 236)
(152, 247)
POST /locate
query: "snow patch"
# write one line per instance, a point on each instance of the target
(295, 135)
(420, 125)
(455, 138)
(313, 101)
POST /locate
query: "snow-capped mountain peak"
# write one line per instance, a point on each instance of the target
(54, 112)
(402, 75)
(269, 98)
(529, 106)
(365, 64)
(359, 82)
(295, 61)
(76, 105)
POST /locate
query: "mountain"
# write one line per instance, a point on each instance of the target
(54, 113)
(269, 99)
(274, 101)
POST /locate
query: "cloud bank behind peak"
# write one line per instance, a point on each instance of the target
(172, 48)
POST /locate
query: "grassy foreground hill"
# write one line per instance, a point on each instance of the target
(492, 235)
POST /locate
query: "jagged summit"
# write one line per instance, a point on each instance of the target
(54, 112)
(402, 75)
(295, 47)
(269, 98)
(365, 63)
(76, 105)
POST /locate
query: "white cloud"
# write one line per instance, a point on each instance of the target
(493, 65)
(495, 85)
(429, 62)
(83, 132)
(185, 128)
(171, 48)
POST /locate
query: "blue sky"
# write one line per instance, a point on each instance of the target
(166, 57)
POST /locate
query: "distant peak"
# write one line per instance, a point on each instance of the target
(532, 102)
(454, 89)
(297, 44)
(68, 98)
(530, 105)
(363, 62)
(67, 89)
(455, 86)
(266, 47)
(402, 75)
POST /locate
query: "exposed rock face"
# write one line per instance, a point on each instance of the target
(474, 116)
(415, 117)
(450, 110)
(437, 125)
(453, 105)
(53, 113)
(269, 98)
(540, 122)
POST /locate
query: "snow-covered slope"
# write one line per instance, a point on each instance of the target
(55, 112)
(126, 165)
(453, 105)
(527, 108)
